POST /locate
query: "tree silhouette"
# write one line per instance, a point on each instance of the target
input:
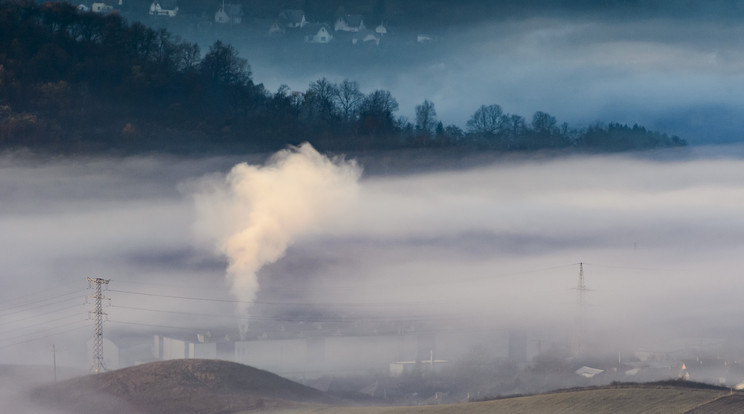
(426, 117)
(348, 98)
(487, 120)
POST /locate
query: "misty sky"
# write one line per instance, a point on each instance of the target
(677, 74)
(660, 239)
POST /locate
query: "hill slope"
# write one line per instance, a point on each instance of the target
(626, 399)
(209, 386)
(179, 386)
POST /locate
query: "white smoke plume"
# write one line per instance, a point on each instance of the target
(254, 213)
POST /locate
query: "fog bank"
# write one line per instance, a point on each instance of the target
(462, 250)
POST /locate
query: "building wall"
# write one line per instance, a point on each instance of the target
(173, 348)
(273, 355)
(399, 369)
(202, 350)
(330, 354)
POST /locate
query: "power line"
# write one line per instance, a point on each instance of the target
(182, 297)
(258, 302)
(61, 328)
(323, 319)
(152, 325)
(20, 328)
(357, 304)
(39, 315)
(18, 301)
(631, 267)
(39, 303)
(335, 288)
(166, 285)
(460, 328)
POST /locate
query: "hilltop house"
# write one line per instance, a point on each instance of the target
(365, 37)
(381, 30)
(423, 38)
(350, 23)
(229, 14)
(275, 29)
(186, 347)
(292, 18)
(168, 8)
(102, 8)
(318, 33)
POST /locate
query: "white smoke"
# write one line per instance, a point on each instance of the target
(255, 212)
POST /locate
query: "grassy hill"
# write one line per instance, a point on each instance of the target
(179, 387)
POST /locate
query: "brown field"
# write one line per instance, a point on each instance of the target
(595, 401)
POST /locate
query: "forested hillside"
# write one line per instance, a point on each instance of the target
(83, 82)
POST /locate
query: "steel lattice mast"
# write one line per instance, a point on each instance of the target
(581, 287)
(578, 340)
(98, 314)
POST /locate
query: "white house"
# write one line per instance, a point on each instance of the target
(318, 33)
(275, 29)
(293, 18)
(423, 38)
(166, 348)
(381, 30)
(167, 8)
(366, 37)
(425, 367)
(229, 14)
(101, 8)
(350, 23)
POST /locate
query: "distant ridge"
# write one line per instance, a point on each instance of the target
(179, 387)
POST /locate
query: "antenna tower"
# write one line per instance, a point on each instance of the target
(578, 340)
(98, 314)
(582, 287)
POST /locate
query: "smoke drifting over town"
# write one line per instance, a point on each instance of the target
(465, 250)
(255, 213)
(498, 187)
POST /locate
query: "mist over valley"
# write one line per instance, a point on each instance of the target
(466, 202)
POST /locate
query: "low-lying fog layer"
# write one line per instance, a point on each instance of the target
(492, 246)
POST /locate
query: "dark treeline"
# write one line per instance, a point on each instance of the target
(84, 82)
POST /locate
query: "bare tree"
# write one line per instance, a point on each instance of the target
(319, 98)
(487, 120)
(222, 65)
(379, 103)
(376, 112)
(544, 123)
(426, 117)
(348, 98)
(515, 125)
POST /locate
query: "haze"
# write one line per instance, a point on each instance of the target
(495, 246)
(472, 248)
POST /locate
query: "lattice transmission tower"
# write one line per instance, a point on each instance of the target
(579, 329)
(97, 283)
(581, 287)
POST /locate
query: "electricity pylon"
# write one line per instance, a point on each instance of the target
(578, 340)
(98, 314)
